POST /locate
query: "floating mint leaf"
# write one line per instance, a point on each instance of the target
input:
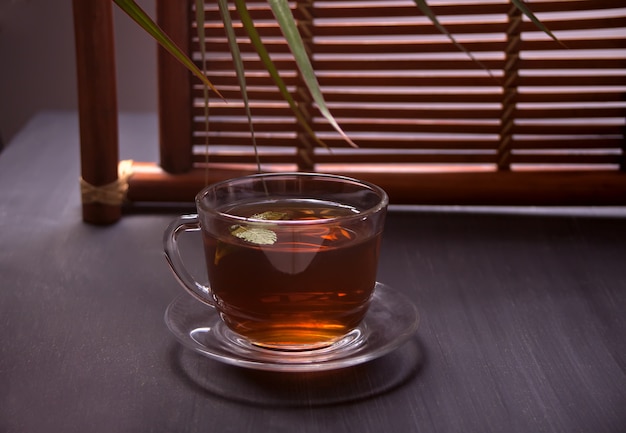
(254, 235)
(269, 215)
(259, 235)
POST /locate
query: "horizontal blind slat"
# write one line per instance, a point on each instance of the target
(401, 9)
(374, 95)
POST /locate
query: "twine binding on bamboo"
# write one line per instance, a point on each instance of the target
(113, 193)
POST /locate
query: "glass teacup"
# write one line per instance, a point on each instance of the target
(291, 258)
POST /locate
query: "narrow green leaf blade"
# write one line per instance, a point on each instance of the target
(240, 71)
(205, 90)
(248, 24)
(133, 10)
(522, 7)
(426, 10)
(287, 23)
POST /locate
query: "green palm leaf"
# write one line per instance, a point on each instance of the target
(205, 90)
(239, 68)
(426, 10)
(140, 17)
(287, 23)
(256, 41)
(522, 7)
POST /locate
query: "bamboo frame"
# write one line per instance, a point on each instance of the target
(177, 177)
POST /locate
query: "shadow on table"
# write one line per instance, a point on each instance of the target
(288, 389)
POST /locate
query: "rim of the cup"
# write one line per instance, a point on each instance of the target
(382, 203)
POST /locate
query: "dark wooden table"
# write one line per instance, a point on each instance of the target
(523, 319)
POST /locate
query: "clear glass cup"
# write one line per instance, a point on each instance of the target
(291, 258)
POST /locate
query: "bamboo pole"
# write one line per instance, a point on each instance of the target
(97, 105)
(175, 81)
(150, 183)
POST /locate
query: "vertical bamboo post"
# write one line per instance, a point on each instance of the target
(510, 83)
(305, 157)
(97, 103)
(175, 96)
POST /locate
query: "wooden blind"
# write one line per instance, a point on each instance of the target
(544, 125)
(406, 95)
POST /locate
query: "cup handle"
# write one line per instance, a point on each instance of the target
(185, 223)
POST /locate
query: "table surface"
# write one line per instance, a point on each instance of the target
(523, 325)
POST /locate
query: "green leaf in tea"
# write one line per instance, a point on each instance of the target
(270, 215)
(254, 235)
(259, 235)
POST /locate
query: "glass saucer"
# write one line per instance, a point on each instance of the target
(390, 321)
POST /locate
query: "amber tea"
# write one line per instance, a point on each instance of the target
(296, 286)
